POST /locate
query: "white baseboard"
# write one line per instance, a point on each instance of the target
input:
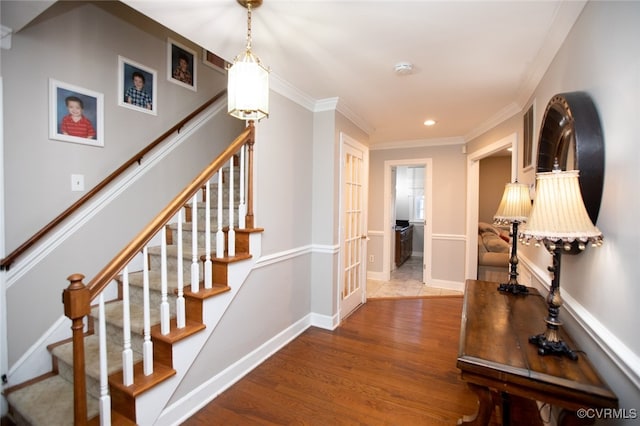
(448, 285)
(189, 404)
(378, 276)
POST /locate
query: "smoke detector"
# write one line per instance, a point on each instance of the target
(403, 68)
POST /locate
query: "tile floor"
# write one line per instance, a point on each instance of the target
(406, 281)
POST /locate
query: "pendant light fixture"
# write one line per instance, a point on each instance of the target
(248, 79)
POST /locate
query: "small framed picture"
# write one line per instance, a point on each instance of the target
(76, 114)
(181, 65)
(214, 61)
(137, 86)
(528, 138)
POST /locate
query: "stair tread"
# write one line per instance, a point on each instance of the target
(113, 315)
(92, 356)
(49, 402)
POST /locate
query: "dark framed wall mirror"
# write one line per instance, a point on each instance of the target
(572, 134)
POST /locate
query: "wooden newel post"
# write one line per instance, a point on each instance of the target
(251, 140)
(76, 306)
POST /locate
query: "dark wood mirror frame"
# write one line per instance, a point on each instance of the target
(571, 132)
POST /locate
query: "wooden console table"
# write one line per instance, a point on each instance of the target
(404, 243)
(495, 357)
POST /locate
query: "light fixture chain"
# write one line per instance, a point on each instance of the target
(249, 26)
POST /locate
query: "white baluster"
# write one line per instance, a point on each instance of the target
(164, 304)
(242, 207)
(231, 235)
(195, 270)
(147, 345)
(180, 309)
(105, 399)
(208, 265)
(220, 233)
(127, 353)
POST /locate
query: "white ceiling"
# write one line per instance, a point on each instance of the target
(476, 63)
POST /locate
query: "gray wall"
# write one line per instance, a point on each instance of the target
(37, 169)
(495, 172)
(448, 221)
(601, 56)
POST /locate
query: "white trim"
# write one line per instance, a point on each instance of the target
(37, 254)
(284, 88)
(428, 227)
(295, 252)
(348, 141)
(355, 119)
(189, 404)
(448, 285)
(328, 104)
(473, 176)
(614, 348)
(5, 37)
(4, 351)
(449, 237)
(498, 118)
(37, 359)
(417, 143)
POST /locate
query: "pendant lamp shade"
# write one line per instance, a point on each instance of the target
(248, 88)
(248, 79)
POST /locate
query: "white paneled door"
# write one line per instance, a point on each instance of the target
(354, 219)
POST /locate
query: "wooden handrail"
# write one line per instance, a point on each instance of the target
(109, 272)
(77, 297)
(5, 263)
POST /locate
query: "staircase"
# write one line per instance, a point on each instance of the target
(49, 399)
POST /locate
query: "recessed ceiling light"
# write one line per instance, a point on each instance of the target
(403, 68)
(430, 122)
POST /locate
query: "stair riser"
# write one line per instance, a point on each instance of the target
(187, 238)
(213, 219)
(136, 297)
(172, 266)
(66, 371)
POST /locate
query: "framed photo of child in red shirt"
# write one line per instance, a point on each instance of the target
(76, 114)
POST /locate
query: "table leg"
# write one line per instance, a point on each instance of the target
(506, 409)
(485, 406)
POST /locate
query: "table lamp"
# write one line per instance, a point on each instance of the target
(558, 219)
(514, 209)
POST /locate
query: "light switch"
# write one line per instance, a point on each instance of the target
(77, 182)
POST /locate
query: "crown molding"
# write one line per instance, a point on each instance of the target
(418, 143)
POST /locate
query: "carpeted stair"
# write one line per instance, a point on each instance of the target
(48, 400)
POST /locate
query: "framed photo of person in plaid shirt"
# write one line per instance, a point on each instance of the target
(137, 86)
(76, 114)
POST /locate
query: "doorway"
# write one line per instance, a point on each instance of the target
(408, 202)
(354, 177)
(473, 195)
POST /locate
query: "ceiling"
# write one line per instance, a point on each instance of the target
(475, 63)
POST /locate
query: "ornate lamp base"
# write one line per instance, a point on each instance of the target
(513, 288)
(549, 342)
(550, 347)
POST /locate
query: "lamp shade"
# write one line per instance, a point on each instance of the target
(558, 212)
(515, 205)
(248, 88)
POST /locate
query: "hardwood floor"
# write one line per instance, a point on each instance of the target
(392, 362)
